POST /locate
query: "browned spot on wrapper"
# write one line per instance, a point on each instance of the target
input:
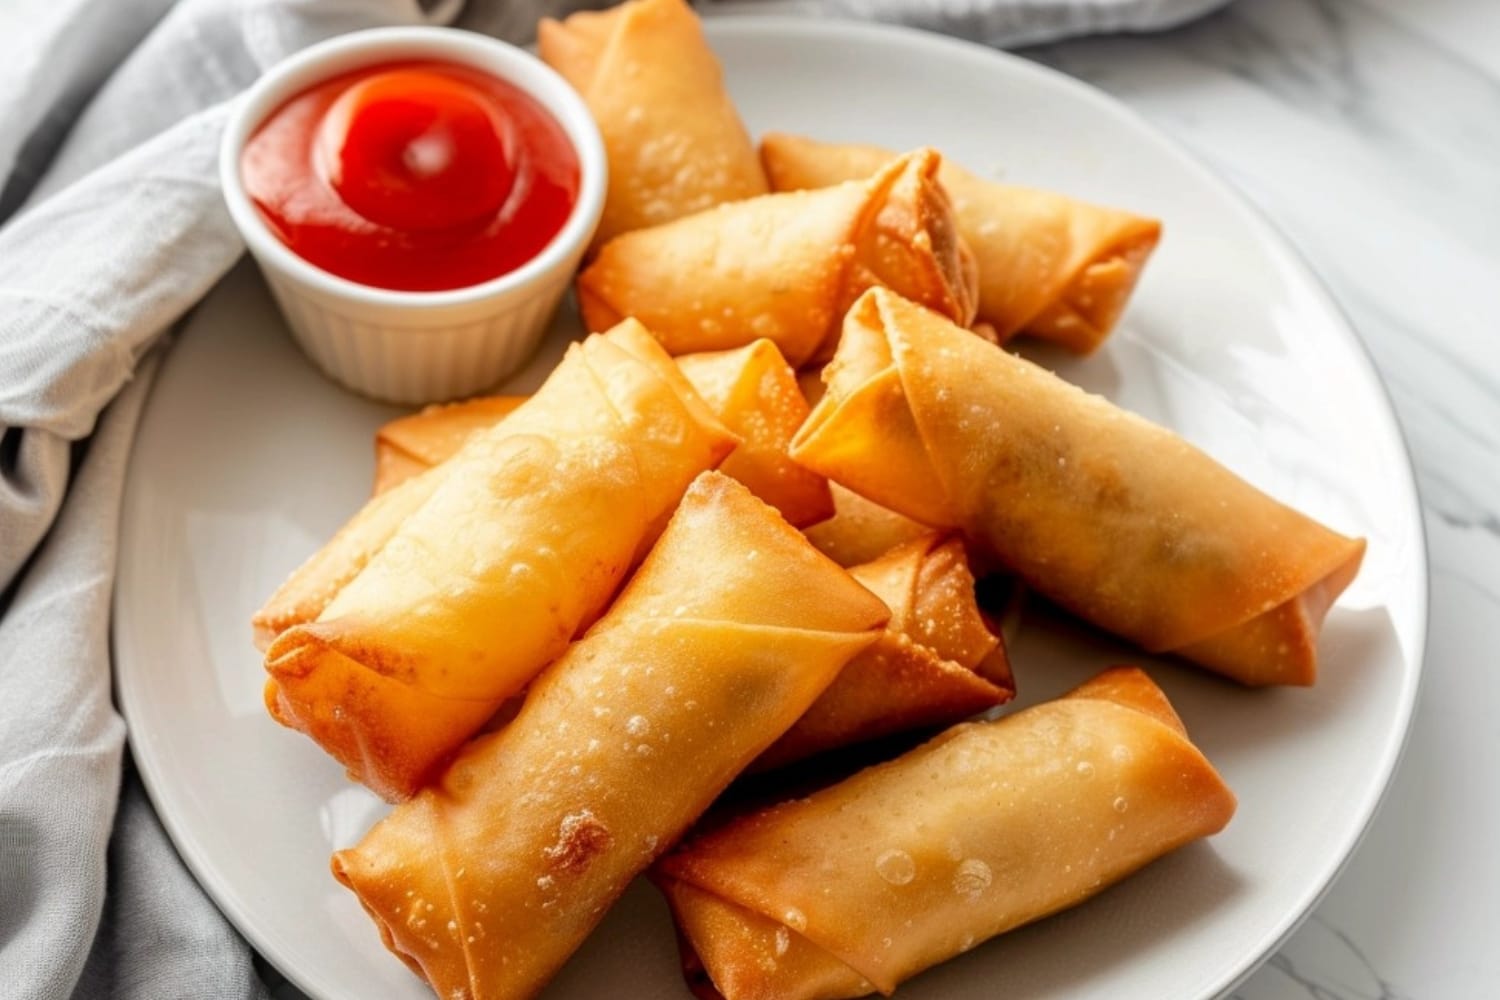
(580, 839)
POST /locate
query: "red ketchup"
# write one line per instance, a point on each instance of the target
(415, 176)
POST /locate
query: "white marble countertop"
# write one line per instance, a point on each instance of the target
(1369, 132)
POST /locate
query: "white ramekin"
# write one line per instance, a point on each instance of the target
(417, 347)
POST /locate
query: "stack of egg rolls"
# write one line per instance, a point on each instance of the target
(524, 537)
(486, 881)
(648, 629)
(937, 662)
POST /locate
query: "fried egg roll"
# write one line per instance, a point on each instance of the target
(860, 530)
(936, 663)
(754, 392)
(1116, 519)
(487, 881)
(312, 586)
(673, 138)
(529, 532)
(751, 390)
(786, 266)
(1050, 266)
(405, 449)
(414, 443)
(992, 825)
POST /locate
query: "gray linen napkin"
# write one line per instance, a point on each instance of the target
(1002, 23)
(111, 228)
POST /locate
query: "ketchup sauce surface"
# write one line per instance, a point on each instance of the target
(414, 176)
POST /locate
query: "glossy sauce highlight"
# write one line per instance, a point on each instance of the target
(413, 176)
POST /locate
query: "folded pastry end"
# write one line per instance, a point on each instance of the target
(416, 918)
(1280, 646)
(1048, 265)
(452, 590)
(864, 390)
(1082, 314)
(754, 391)
(911, 244)
(489, 878)
(409, 445)
(389, 735)
(729, 952)
(314, 585)
(923, 673)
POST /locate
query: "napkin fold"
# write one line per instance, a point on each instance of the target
(111, 228)
(1002, 23)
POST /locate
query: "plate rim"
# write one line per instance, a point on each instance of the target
(774, 29)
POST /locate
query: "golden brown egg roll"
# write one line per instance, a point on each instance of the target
(1114, 518)
(990, 826)
(487, 881)
(406, 451)
(754, 392)
(786, 266)
(313, 585)
(534, 524)
(860, 529)
(1049, 265)
(673, 138)
(416, 442)
(937, 661)
(751, 390)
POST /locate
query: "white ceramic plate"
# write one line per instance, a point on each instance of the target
(247, 461)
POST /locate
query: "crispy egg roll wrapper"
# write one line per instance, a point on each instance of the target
(673, 138)
(408, 448)
(990, 826)
(487, 881)
(937, 661)
(754, 392)
(751, 390)
(786, 266)
(414, 443)
(1119, 520)
(860, 529)
(314, 584)
(1049, 265)
(533, 526)
(405, 449)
